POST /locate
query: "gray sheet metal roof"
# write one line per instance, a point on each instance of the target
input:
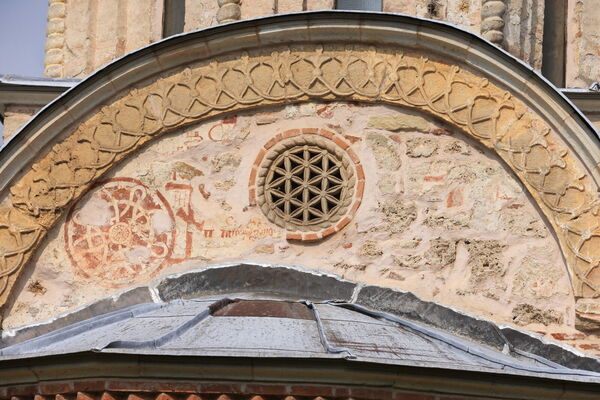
(282, 329)
(31, 91)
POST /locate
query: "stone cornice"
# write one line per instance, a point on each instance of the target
(23, 91)
(93, 376)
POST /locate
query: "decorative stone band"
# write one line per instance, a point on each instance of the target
(281, 75)
(169, 390)
(492, 20)
(55, 40)
(351, 204)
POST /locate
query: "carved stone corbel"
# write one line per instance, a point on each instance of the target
(229, 11)
(53, 62)
(492, 20)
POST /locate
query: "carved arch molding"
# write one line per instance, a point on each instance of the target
(281, 74)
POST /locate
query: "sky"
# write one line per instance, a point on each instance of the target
(22, 37)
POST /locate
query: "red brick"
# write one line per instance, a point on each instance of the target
(138, 396)
(342, 392)
(89, 386)
(589, 346)
(396, 138)
(343, 144)
(252, 197)
(220, 388)
(123, 385)
(291, 133)
(325, 112)
(132, 386)
(568, 336)
(55, 388)
(431, 178)
(329, 231)
(293, 236)
(108, 396)
(310, 236)
(462, 398)
(323, 391)
(165, 396)
(407, 396)
(355, 206)
(326, 133)
(176, 387)
(353, 156)
(84, 396)
(352, 139)
(360, 188)
(259, 157)
(455, 198)
(253, 176)
(65, 396)
(345, 221)
(267, 389)
(360, 173)
(310, 130)
(273, 140)
(375, 394)
(20, 391)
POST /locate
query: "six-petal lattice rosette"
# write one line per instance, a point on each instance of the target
(307, 184)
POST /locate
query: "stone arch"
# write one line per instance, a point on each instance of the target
(385, 59)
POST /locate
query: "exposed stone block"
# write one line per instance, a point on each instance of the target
(524, 314)
(396, 122)
(420, 147)
(385, 151)
(441, 252)
(288, 6)
(312, 5)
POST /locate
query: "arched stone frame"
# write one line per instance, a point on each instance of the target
(428, 66)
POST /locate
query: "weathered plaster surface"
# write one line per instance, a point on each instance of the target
(524, 30)
(440, 217)
(86, 34)
(14, 118)
(463, 13)
(200, 14)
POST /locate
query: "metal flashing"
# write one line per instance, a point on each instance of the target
(376, 304)
(190, 328)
